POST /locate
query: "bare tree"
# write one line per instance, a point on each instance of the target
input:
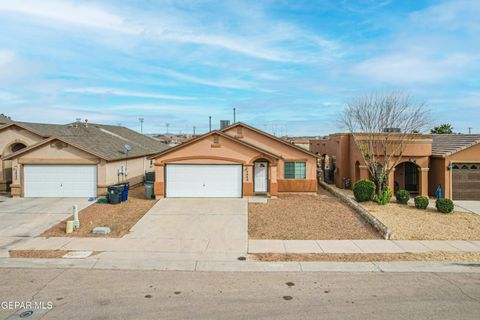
(381, 125)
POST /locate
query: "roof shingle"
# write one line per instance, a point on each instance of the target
(448, 144)
(103, 140)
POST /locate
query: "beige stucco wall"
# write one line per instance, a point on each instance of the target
(135, 171)
(8, 137)
(58, 152)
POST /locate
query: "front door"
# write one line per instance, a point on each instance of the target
(260, 176)
(411, 177)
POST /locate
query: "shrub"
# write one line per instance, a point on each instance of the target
(384, 198)
(421, 202)
(363, 190)
(402, 196)
(444, 205)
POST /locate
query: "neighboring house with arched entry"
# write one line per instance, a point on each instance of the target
(428, 161)
(237, 161)
(71, 160)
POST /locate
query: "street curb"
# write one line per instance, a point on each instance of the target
(373, 221)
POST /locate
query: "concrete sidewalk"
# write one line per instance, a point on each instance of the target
(360, 246)
(153, 261)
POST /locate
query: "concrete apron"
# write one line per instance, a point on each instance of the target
(173, 229)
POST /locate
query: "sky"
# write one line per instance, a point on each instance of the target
(288, 67)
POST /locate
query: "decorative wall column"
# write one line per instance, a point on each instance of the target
(391, 180)
(364, 174)
(273, 180)
(423, 181)
(247, 180)
(159, 186)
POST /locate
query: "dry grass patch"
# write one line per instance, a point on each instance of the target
(120, 218)
(369, 257)
(307, 217)
(44, 254)
(410, 223)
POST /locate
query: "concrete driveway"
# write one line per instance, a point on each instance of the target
(23, 218)
(467, 206)
(196, 225)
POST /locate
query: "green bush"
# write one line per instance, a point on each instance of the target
(421, 202)
(402, 196)
(444, 205)
(363, 190)
(384, 198)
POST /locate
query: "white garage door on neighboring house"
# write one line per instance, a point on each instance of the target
(75, 181)
(203, 180)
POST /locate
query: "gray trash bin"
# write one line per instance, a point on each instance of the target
(149, 189)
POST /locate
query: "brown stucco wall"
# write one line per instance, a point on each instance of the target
(470, 155)
(344, 148)
(204, 151)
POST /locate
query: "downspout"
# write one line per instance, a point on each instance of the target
(450, 183)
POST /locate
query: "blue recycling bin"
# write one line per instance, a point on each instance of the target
(126, 187)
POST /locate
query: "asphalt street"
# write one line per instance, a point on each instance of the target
(119, 294)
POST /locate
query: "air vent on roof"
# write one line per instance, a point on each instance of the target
(389, 130)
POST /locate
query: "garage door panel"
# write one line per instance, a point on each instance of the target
(466, 182)
(194, 180)
(60, 181)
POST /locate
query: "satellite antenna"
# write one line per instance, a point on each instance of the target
(127, 148)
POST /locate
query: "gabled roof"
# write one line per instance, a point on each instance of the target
(4, 119)
(236, 124)
(105, 141)
(191, 141)
(445, 145)
(44, 142)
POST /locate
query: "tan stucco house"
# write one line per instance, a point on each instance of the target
(72, 160)
(450, 161)
(237, 161)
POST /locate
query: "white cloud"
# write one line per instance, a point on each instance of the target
(69, 12)
(6, 57)
(184, 28)
(412, 67)
(125, 93)
(225, 83)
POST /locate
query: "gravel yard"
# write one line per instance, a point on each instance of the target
(368, 257)
(410, 223)
(307, 217)
(119, 217)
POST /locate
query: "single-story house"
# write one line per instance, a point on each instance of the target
(72, 160)
(450, 161)
(236, 161)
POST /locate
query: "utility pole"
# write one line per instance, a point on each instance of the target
(209, 123)
(234, 115)
(141, 124)
(167, 125)
(194, 130)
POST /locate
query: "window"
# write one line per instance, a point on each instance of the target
(295, 170)
(216, 139)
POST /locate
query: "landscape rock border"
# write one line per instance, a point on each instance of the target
(373, 221)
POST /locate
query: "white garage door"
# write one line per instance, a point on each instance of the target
(198, 180)
(73, 181)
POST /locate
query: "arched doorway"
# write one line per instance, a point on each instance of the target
(407, 177)
(357, 171)
(7, 164)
